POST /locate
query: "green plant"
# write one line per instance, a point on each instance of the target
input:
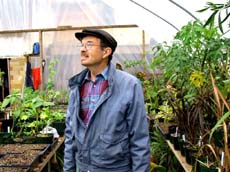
(195, 79)
(165, 112)
(217, 11)
(221, 84)
(10, 104)
(206, 157)
(49, 93)
(27, 111)
(151, 85)
(162, 153)
(52, 73)
(58, 116)
(221, 102)
(175, 62)
(156, 168)
(151, 96)
(133, 63)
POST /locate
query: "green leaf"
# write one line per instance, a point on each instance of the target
(43, 115)
(202, 10)
(220, 23)
(226, 17)
(219, 122)
(5, 102)
(24, 117)
(227, 82)
(211, 19)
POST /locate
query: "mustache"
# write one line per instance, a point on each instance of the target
(84, 54)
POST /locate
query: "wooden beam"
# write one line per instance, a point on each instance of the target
(64, 28)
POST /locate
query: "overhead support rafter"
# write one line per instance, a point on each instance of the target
(155, 14)
(178, 5)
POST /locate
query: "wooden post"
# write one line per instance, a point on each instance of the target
(143, 48)
(41, 59)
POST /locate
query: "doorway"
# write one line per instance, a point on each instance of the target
(4, 79)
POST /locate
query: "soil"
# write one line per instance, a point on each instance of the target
(21, 157)
(9, 169)
(20, 148)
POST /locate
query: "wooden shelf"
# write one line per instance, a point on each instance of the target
(180, 158)
(31, 55)
(47, 160)
(177, 153)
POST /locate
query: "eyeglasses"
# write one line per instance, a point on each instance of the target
(87, 45)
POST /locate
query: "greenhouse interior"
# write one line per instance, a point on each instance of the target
(114, 86)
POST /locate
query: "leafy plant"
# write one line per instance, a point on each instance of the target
(165, 112)
(217, 11)
(49, 93)
(183, 85)
(52, 73)
(208, 154)
(132, 63)
(27, 111)
(151, 85)
(162, 153)
(185, 67)
(223, 118)
(58, 116)
(152, 96)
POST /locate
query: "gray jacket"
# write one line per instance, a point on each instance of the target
(117, 137)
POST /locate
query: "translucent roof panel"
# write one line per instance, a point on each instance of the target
(161, 19)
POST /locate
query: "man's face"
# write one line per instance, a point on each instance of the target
(91, 52)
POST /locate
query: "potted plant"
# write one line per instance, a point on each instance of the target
(206, 159)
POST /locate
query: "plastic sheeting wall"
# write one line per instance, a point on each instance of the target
(64, 48)
(35, 14)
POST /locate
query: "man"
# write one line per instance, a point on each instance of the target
(106, 124)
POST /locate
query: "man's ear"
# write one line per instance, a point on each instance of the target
(107, 51)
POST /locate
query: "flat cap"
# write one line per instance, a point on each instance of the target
(105, 36)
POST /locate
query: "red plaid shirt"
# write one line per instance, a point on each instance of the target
(90, 94)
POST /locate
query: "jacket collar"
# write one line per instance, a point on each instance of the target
(79, 78)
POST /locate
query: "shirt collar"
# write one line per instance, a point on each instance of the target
(103, 74)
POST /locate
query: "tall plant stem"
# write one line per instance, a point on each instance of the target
(218, 96)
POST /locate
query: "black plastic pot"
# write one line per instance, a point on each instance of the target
(5, 124)
(207, 169)
(202, 167)
(174, 139)
(6, 138)
(59, 126)
(190, 153)
(171, 130)
(44, 139)
(218, 137)
(29, 139)
(182, 149)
